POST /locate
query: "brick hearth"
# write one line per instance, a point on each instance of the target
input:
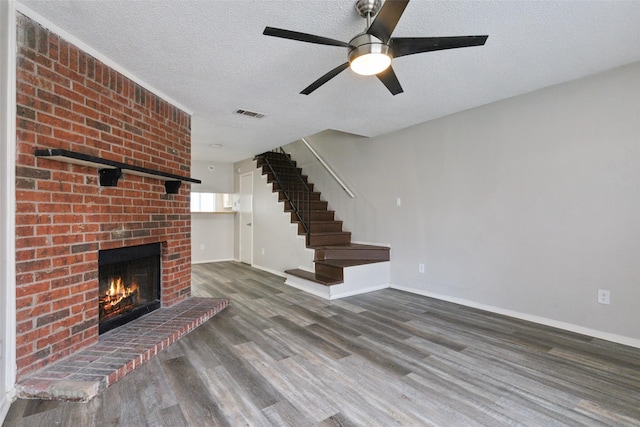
(67, 99)
(88, 372)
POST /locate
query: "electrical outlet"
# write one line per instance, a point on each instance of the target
(262, 251)
(420, 268)
(398, 202)
(202, 247)
(604, 296)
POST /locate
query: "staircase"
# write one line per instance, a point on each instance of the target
(342, 268)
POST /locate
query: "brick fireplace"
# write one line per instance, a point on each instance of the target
(67, 99)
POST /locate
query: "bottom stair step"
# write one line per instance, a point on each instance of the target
(314, 277)
(347, 262)
(358, 279)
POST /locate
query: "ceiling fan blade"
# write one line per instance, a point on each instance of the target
(303, 37)
(322, 80)
(387, 19)
(402, 46)
(388, 77)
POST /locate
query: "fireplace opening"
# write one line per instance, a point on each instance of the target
(129, 284)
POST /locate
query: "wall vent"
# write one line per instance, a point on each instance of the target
(250, 113)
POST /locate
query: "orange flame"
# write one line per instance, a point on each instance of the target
(118, 291)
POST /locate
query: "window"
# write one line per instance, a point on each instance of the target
(211, 202)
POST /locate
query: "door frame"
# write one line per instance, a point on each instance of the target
(240, 222)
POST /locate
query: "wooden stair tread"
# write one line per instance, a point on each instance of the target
(352, 251)
(354, 246)
(331, 244)
(287, 209)
(314, 277)
(347, 262)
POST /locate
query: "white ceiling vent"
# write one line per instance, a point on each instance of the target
(250, 113)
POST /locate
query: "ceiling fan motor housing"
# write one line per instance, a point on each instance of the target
(366, 44)
(372, 51)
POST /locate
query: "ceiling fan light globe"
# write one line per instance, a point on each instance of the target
(369, 55)
(370, 63)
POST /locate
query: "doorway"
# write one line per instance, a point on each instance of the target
(246, 218)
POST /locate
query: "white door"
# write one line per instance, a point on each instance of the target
(246, 218)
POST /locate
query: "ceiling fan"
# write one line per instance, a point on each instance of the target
(371, 52)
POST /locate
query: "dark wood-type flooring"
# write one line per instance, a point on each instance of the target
(278, 356)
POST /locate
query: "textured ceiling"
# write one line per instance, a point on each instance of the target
(211, 57)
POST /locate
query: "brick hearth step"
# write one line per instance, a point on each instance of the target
(86, 373)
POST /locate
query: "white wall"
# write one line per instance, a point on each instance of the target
(7, 205)
(213, 231)
(216, 177)
(358, 214)
(526, 206)
(211, 237)
(272, 229)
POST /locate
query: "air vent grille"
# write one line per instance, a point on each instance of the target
(250, 113)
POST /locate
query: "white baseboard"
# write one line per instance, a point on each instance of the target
(632, 342)
(308, 287)
(212, 260)
(269, 270)
(337, 293)
(5, 403)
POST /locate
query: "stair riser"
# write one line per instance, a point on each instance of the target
(381, 254)
(276, 186)
(262, 162)
(287, 175)
(330, 271)
(322, 227)
(285, 180)
(316, 205)
(334, 239)
(316, 216)
(312, 196)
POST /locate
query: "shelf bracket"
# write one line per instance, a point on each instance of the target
(109, 177)
(172, 187)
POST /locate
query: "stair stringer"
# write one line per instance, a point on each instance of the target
(358, 279)
(274, 231)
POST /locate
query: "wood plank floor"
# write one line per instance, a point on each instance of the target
(280, 357)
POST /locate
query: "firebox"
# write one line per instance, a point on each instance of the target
(129, 286)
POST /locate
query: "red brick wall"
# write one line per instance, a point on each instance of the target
(68, 99)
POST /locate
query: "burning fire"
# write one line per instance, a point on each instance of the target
(117, 293)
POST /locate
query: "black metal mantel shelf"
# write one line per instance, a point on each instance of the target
(110, 171)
